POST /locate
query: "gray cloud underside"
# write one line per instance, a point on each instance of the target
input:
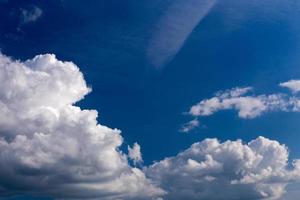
(50, 147)
(230, 170)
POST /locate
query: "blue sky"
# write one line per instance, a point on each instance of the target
(148, 62)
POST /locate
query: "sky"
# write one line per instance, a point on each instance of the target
(160, 99)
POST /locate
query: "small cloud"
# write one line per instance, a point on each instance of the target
(247, 106)
(293, 85)
(30, 15)
(135, 154)
(187, 127)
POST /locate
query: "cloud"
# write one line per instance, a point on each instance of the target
(293, 85)
(174, 28)
(187, 127)
(30, 15)
(135, 154)
(247, 106)
(50, 147)
(230, 170)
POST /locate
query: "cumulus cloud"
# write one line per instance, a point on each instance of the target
(174, 28)
(293, 85)
(49, 146)
(247, 106)
(237, 99)
(230, 170)
(135, 154)
(31, 14)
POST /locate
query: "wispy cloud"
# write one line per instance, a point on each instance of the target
(293, 85)
(30, 14)
(187, 127)
(174, 28)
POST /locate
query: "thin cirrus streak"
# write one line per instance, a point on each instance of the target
(174, 28)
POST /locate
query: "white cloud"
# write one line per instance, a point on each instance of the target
(187, 127)
(48, 146)
(293, 85)
(247, 106)
(31, 14)
(135, 154)
(174, 28)
(230, 170)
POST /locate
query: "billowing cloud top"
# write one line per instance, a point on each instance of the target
(230, 170)
(42, 81)
(49, 146)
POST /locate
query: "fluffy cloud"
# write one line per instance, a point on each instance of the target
(230, 170)
(249, 106)
(293, 85)
(48, 146)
